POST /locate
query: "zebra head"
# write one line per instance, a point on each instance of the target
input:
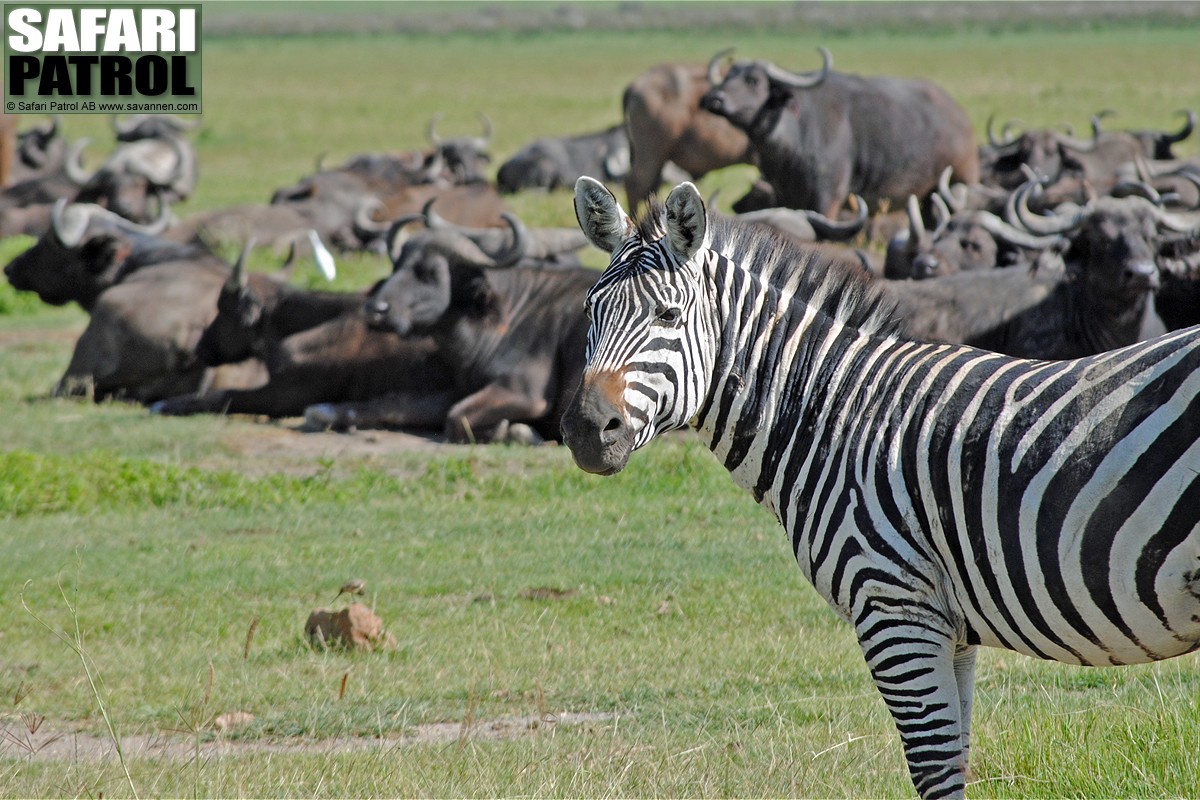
(650, 345)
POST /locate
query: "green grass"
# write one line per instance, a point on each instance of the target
(684, 621)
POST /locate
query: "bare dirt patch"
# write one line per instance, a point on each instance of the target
(48, 743)
(257, 448)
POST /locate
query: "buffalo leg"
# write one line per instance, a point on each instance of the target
(476, 417)
(395, 410)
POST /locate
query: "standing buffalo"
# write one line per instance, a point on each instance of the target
(665, 123)
(823, 135)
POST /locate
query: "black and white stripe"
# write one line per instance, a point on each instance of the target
(939, 497)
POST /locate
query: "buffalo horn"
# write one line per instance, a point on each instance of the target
(431, 132)
(955, 196)
(827, 228)
(50, 130)
(714, 66)
(807, 81)
(1078, 145)
(237, 276)
(73, 164)
(1005, 141)
(488, 130)
(1000, 229)
(942, 212)
(916, 225)
(520, 242)
(160, 223)
(120, 128)
(1049, 225)
(1097, 129)
(1188, 127)
(364, 220)
(1175, 222)
(1136, 189)
(395, 237)
(68, 224)
(437, 221)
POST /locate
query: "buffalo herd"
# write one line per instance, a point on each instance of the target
(1033, 242)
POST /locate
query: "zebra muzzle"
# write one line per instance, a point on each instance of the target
(597, 431)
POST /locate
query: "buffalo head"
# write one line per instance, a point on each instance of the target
(435, 274)
(86, 250)
(750, 87)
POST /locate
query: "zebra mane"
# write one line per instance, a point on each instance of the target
(846, 295)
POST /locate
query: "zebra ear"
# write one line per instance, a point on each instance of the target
(601, 217)
(687, 221)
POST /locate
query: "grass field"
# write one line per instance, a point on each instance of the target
(646, 634)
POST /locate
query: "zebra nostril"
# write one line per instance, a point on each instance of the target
(612, 430)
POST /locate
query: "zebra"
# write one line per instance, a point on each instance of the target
(939, 497)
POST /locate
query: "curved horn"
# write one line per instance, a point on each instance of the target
(714, 66)
(488, 130)
(795, 81)
(941, 212)
(916, 225)
(179, 173)
(956, 200)
(438, 222)
(51, 128)
(395, 237)
(1136, 189)
(1175, 222)
(835, 230)
(431, 131)
(1005, 139)
(1099, 115)
(467, 252)
(160, 224)
(237, 279)
(520, 242)
(181, 125)
(73, 164)
(1079, 145)
(68, 224)
(999, 229)
(1045, 226)
(122, 129)
(364, 221)
(1186, 130)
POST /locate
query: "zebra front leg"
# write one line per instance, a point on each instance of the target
(914, 667)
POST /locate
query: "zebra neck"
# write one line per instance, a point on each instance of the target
(774, 354)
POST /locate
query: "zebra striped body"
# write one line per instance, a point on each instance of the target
(938, 497)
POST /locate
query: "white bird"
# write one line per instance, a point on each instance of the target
(322, 256)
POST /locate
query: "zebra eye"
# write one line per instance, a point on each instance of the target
(668, 316)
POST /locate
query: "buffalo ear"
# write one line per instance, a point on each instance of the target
(104, 254)
(604, 222)
(687, 221)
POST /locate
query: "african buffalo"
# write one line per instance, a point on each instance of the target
(821, 136)
(149, 300)
(89, 249)
(665, 124)
(512, 337)
(962, 241)
(317, 348)
(160, 169)
(1096, 284)
(553, 163)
